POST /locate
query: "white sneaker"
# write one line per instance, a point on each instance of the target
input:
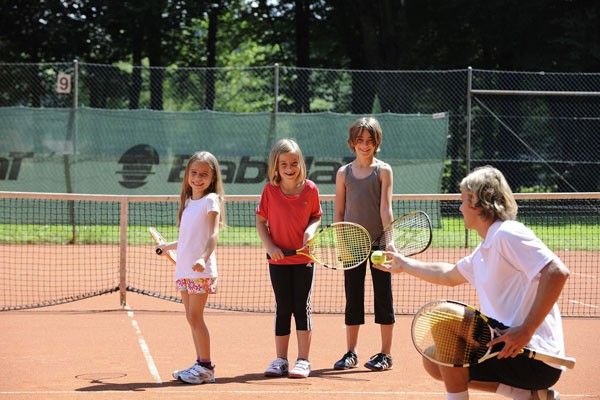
(197, 375)
(545, 394)
(175, 374)
(301, 369)
(279, 367)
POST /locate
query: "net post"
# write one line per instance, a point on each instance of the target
(123, 216)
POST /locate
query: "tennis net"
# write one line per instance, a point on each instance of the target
(57, 248)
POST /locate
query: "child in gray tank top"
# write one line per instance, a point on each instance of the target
(364, 196)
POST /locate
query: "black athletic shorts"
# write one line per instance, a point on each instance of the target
(520, 371)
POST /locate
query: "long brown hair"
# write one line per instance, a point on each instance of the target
(369, 124)
(216, 185)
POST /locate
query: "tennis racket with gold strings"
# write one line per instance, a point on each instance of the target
(341, 245)
(454, 334)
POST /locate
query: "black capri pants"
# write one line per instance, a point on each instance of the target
(292, 286)
(354, 286)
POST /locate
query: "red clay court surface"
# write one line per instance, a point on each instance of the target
(94, 349)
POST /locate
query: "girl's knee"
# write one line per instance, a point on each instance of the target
(195, 319)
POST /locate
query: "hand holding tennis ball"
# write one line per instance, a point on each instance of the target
(378, 257)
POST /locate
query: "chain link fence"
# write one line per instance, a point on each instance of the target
(541, 129)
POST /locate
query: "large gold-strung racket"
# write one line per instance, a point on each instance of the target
(455, 334)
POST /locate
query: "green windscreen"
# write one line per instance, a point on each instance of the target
(144, 152)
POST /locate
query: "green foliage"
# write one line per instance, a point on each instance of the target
(537, 189)
(360, 34)
(246, 89)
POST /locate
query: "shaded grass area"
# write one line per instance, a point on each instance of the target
(451, 234)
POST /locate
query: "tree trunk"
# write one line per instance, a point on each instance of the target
(302, 92)
(136, 75)
(211, 55)
(154, 50)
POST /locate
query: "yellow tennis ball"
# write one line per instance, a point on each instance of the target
(378, 257)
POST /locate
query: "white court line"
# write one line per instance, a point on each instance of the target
(583, 304)
(583, 275)
(143, 346)
(204, 391)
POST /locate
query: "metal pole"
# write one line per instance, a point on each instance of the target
(469, 88)
(69, 149)
(468, 144)
(75, 84)
(276, 90)
(273, 125)
(123, 217)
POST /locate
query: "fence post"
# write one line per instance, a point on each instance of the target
(273, 125)
(276, 90)
(75, 84)
(468, 144)
(69, 148)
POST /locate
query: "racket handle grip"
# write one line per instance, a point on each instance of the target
(159, 251)
(568, 362)
(285, 253)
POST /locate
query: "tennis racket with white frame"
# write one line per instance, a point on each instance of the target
(410, 234)
(159, 240)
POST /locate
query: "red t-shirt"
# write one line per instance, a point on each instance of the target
(288, 216)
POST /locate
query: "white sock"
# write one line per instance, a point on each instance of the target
(458, 396)
(513, 392)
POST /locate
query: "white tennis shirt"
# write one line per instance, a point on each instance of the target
(193, 235)
(505, 271)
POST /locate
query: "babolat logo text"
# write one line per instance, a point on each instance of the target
(137, 164)
(251, 171)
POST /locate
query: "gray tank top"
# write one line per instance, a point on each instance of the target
(363, 197)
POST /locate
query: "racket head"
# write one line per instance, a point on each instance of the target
(159, 239)
(451, 333)
(341, 245)
(410, 233)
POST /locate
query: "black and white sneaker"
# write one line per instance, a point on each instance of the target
(380, 362)
(348, 360)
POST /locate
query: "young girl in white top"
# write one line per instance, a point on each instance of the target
(200, 215)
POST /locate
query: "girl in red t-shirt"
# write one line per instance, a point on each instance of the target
(288, 215)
